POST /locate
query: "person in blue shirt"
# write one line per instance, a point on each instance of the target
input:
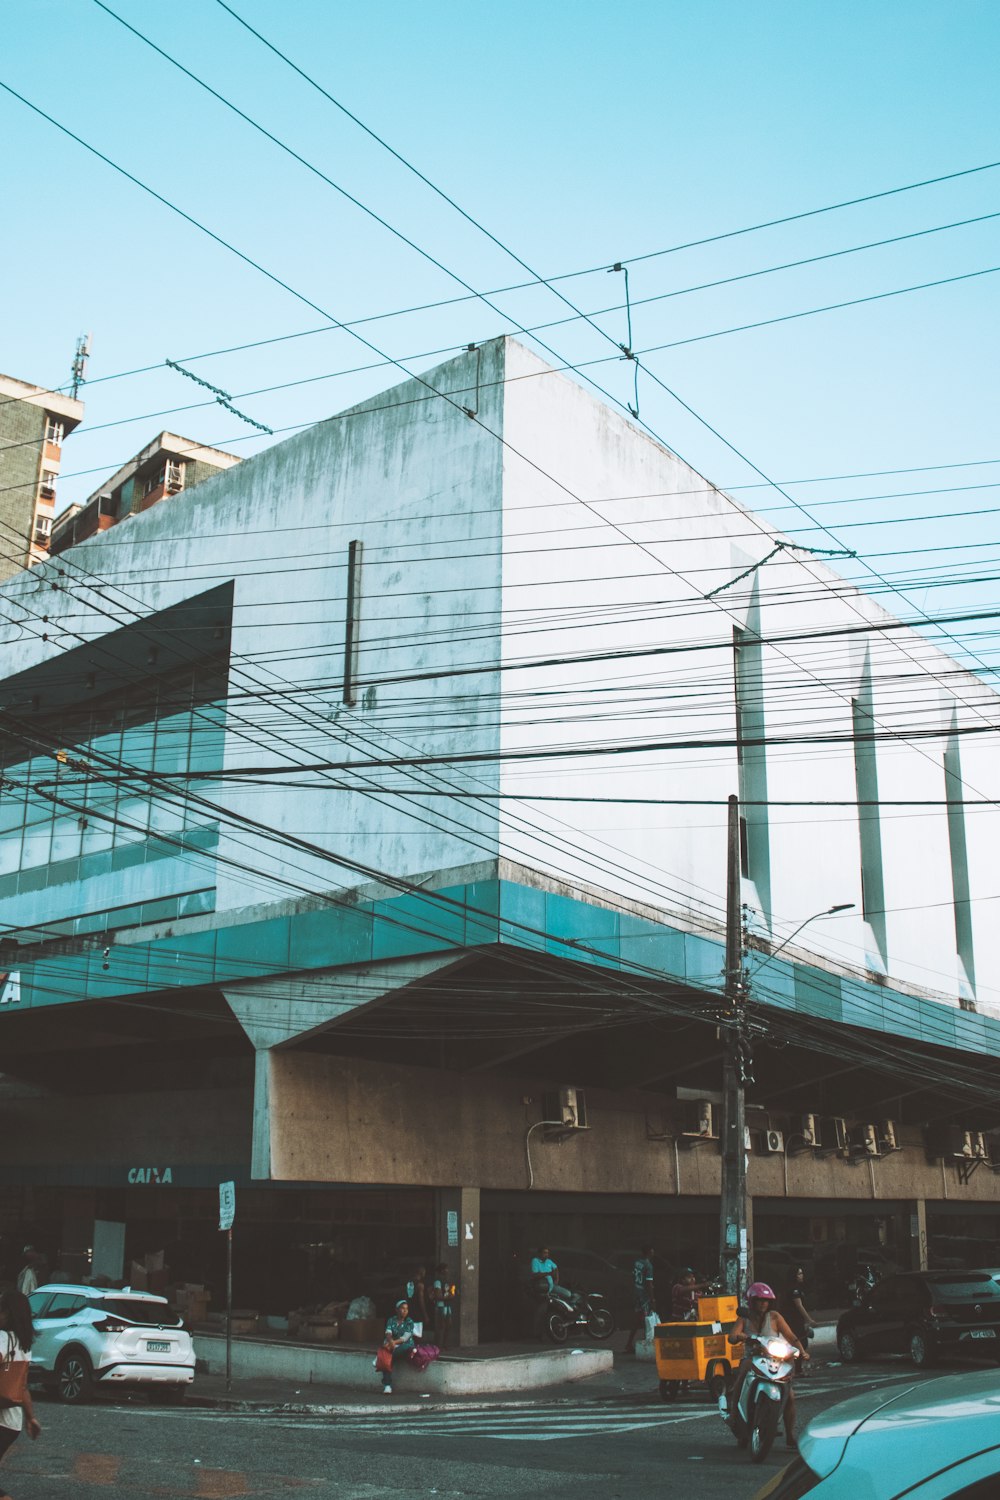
(542, 1264)
(398, 1339)
(642, 1295)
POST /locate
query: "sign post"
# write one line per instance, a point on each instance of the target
(227, 1214)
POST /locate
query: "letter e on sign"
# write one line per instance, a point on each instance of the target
(227, 1204)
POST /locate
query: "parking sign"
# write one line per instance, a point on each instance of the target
(227, 1204)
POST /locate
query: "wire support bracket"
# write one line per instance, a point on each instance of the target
(222, 397)
(780, 547)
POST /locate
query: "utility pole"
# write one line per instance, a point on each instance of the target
(735, 1075)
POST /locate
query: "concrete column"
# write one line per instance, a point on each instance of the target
(749, 1275)
(260, 1159)
(918, 1235)
(459, 1244)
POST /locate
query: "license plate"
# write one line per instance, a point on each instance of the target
(157, 1346)
(984, 1333)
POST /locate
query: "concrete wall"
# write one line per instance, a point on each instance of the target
(617, 540)
(347, 1120)
(418, 483)
(609, 543)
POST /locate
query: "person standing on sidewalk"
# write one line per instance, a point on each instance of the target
(642, 1295)
(27, 1277)
(16, 1338)
(442, 1298)
(793, 1309)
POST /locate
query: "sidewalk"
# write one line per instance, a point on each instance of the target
(629, 1378)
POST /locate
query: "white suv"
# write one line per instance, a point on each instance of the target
(88, 1337)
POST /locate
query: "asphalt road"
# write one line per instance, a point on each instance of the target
(591, 1449)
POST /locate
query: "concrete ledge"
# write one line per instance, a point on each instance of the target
(451, 1375)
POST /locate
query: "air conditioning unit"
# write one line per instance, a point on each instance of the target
(979, 1145)
(564, 1111)
(887, 1135)
(833, 1133)
(810, 1130)
(699, 1118)
(572, 1109)
(774, 1141)
(864, 1140)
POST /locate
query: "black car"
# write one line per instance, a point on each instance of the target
(925, 1314)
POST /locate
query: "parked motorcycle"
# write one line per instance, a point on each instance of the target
(590, 1312)
(865, 1281)
(754, 1418)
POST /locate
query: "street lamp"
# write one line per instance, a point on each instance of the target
(829, 912)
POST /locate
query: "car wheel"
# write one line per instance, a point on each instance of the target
(921, 1350)
(717, 1383)
(74, 1378)
(847, 1346)
(669, 1390)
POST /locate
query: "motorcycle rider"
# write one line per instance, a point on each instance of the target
(763, 1322)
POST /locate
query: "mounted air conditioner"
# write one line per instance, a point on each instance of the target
(810, 1130)
(833, 1134)
(887, 1135)
(774, 1141)
(864, 1140)
(572, 1109)
(979, 1145)
(967, 1148)
(564, 1111)
(699, 1119)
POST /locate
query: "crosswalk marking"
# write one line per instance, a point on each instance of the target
(551, 1424)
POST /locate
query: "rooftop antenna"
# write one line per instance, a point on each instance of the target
(80, 362)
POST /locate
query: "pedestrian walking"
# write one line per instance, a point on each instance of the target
(795, 1313)
(642, 1295)
(16, 1338)
(27, 1277)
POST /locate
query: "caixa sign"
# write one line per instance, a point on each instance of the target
(151, 1175)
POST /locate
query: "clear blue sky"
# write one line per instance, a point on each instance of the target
(580, 134)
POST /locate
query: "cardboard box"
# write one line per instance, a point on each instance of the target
(320, 1330)
(362, 1330)
(244, 1321)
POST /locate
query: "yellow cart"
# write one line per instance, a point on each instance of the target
(697, 1352)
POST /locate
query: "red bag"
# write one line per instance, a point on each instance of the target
(421, 1355)
(383, 1360)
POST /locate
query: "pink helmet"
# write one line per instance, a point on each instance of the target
(761, 1289)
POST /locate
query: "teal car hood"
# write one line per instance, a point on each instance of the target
(892, 1439)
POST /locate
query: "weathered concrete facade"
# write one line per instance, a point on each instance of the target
(396, 784)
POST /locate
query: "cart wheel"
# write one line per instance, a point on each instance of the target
(669, 1390)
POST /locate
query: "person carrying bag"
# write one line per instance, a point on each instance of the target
(16, 1338)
